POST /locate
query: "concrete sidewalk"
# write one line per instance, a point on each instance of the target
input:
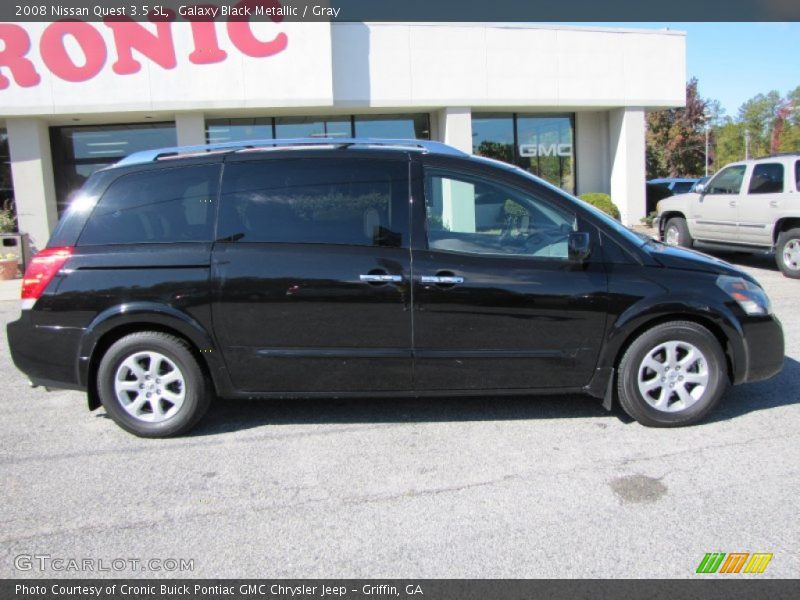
(10, 289)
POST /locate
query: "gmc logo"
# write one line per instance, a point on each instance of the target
(545, 150)
(128, 35)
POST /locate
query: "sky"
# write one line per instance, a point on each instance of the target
(735, 61)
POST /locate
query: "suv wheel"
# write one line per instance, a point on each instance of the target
(152, 386)
(787, 253)
(672, 375)
(676, 233)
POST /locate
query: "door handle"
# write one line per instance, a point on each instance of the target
(380, 278)
(773, 203)
(442, 279)
(732, 203)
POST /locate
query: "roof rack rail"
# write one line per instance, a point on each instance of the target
(146, 156)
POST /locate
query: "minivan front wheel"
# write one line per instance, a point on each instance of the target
(672, 375)
(151, 385)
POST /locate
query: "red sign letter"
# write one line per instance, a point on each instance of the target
(55, 55)
(130, 35)
(206, 46)
(16, 45)
(242, 35)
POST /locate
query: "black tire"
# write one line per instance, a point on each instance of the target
(632, 399)
(193, 387)
(682, 229)
(788, 267)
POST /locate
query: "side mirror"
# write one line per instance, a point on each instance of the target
(700, 188)
(579, 245)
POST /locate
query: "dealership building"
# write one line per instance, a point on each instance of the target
(566, 103)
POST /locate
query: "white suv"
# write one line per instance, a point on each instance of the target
(749, 206)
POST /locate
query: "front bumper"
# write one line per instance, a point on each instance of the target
(763, 349)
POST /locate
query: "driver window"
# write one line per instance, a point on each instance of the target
(727, 181)
(475, 216)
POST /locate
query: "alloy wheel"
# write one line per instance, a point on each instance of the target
(150, 386)
(673, 376)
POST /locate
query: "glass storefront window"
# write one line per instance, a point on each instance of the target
(303, 127)
(493, 136)
(80, 151)
(542, 144)
(236, 130)
(393, 126)
(406, 126)
(545, 148)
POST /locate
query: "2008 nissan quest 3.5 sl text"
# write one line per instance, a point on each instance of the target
(347, 267)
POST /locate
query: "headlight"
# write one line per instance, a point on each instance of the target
(749, 296)
(658, 207)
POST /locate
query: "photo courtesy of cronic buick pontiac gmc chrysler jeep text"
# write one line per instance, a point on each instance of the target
(380, 268)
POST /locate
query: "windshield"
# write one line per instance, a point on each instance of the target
(640, 239)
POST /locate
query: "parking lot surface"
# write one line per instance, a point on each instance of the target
(465, 488)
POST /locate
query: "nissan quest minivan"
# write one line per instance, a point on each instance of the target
(381, 268)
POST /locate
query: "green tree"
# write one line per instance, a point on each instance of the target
(758, 116)
(675, 138)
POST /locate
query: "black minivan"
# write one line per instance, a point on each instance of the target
(381, 268)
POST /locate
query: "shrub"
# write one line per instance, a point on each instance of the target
(648, 220)
(8, 222)
(603, 202)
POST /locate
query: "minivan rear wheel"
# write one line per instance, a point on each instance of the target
(152, 386)
(787, 253)
(672, 374)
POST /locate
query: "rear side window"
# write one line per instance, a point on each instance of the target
(727, 181)
(156, 206)
(767, 179)
(357, 202)
(797, 174)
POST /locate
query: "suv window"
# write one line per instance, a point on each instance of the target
(474, 216)
(797, 174)
(360, 202)
(727, 181)
(767, 179)
(156, 206)
(681, 187)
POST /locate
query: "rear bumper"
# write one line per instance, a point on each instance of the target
(47, 355)
(764, 349)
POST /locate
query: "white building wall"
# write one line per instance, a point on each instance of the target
(627, 153)
(592, 152)
(32, 175)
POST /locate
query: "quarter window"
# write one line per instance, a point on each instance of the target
(767, 179)
(474, 216)
(164, 205)
(727, 181)
(315, 201)
(797, 175)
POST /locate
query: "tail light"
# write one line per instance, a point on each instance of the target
(40, 272)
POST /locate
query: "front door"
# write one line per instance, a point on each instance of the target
(312, 274)
(498, 305)
(715, 213)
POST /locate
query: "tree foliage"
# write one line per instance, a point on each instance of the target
(675, 138)
(764, 124)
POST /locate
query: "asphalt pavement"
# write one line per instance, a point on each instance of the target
(463, 488)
